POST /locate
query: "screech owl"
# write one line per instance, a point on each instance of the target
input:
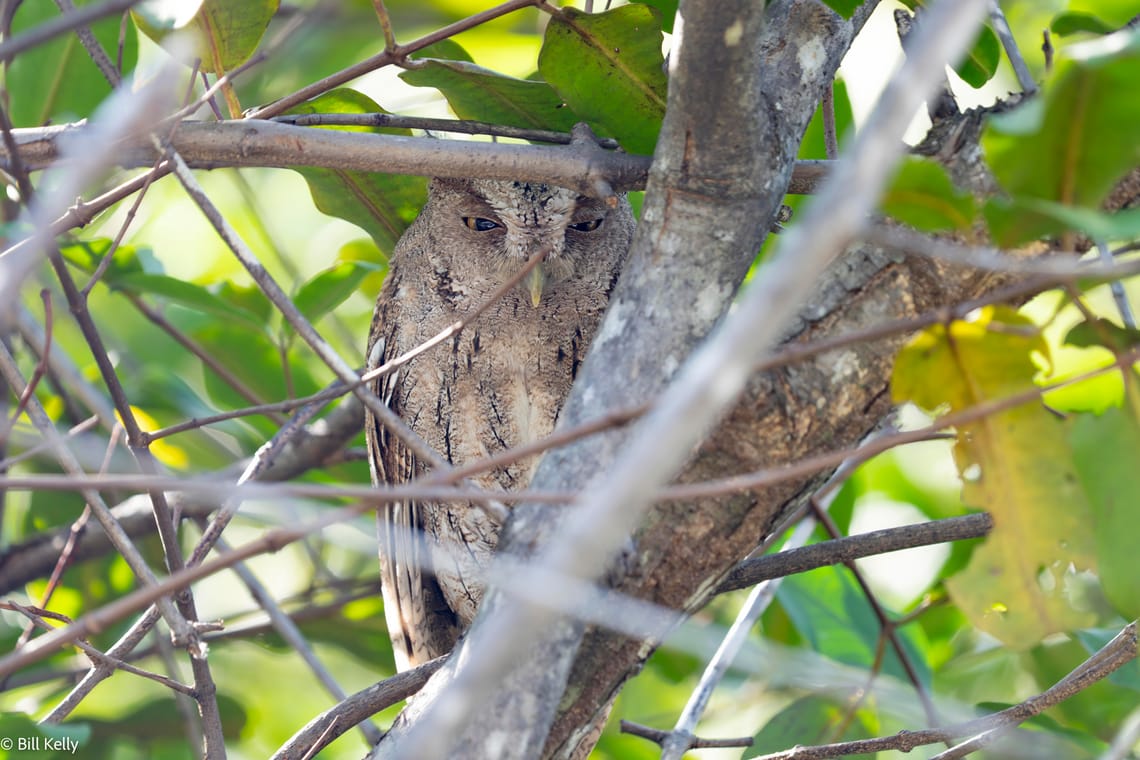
(499, 383)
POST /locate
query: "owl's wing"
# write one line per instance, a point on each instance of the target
(420, 623)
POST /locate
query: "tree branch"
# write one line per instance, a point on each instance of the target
(213, 145)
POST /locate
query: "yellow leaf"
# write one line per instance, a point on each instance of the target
(1026, 580)
(163, 450)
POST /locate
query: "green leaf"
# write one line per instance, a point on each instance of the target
(328, 289)
(668, 11)
(1094, 16)
(1015, 463)
(57, 81)
(608, 68)
(981, 61)
(831, 613)
(1081, 146)
(383, 205)
(248, 298)
(845, 8)
(1099, 225)
(1015, 221)
(1101, 332)
(810, 721)
(1104, 450)
(162, 16)
(1070, 22)
(225, 33)
(479, 94)
(813, 145)
(923, 196)
(184, 293)
(255, 360)
(87, 254)
(1012, 222)
(446, 50)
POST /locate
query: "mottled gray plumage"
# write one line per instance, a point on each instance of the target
(500, 383)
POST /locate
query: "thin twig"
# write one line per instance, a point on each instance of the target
(68, 22)
(94, 49)
(658, 736)
(385, 58)
(1118, 652)
(459, 126)
(1001, 26)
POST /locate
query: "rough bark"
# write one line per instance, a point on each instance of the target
(742, 90)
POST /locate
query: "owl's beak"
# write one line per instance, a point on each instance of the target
(535, 281)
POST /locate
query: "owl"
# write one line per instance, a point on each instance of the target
(499, 383)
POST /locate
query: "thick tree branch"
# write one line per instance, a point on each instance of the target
(213, 145)
(723, 160)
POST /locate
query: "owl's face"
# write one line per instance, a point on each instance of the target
(503, 224)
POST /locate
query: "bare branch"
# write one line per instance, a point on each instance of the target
(255, 143)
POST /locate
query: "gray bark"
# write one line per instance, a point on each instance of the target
(742, 91)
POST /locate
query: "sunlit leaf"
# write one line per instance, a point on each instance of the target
(57, 81)
(479, 94)
(185, 293)
(381, 204)
(608, 69)
(1093, 16)
(163, 449)
(1104, 450)
(1016, 464)
(225, 33)
(923, 196)
(668, 11)
(445, 50)
(1101, 332)
(328, 289)
(87, 255)
(1071, 22)
(981, 60)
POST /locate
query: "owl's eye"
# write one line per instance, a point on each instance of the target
(479, 224)
(589, 226)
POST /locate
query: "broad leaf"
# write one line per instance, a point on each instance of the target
(184, 293)
(981, 60)
(923, 196)
(381, 204)
(1017, 465)
(1070, 22)
(88, 254)
(479, 94)
(328, 289)
(57, 81)
(608, 69)
(845, 8)
(668, 11)
(1104, 449)
(225, 33)
(831, 613)
(814, 145)
(809, 721)
(1075, 145)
